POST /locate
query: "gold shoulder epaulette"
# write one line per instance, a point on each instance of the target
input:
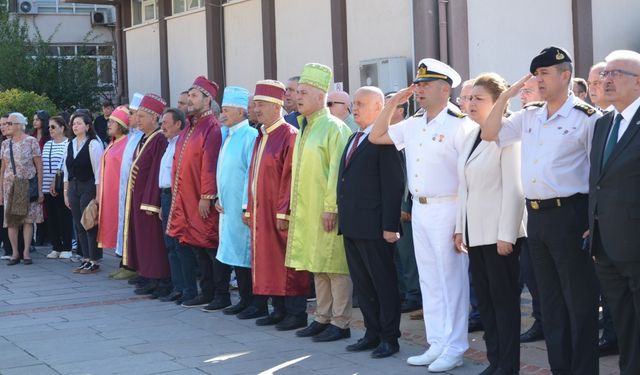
(533, 104)
(584, 107)
(456, 114)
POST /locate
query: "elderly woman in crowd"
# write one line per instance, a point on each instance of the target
(21, 158)
(108, 193)
(490, 227)
(59, 224)
(81, 175)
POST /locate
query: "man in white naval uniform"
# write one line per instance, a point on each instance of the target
(432, 143)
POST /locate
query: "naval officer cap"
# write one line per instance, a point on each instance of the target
(432, 69)
(548, 57)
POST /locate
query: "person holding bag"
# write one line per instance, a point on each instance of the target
(21, 185)
(59, 223)
(81, 175)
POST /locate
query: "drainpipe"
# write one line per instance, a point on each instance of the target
(443, 32)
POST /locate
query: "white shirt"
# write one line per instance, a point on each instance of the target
(53, 155)
(166, 164)
(366, 132)
(95, 153)
(432, 150)
(627, 116)
(555, 150)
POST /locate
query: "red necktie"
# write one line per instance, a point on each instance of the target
(353, 147)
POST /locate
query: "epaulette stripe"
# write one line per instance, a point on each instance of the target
(456, 114)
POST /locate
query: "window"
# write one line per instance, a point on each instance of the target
(143, 11)
(101, 54)
(180, 6)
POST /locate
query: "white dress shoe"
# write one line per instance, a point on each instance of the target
(426, 358)
(65, 255)
(53, 254)
(445, 363)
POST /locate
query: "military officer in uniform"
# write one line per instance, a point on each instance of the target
(556, 140)
(432, 144)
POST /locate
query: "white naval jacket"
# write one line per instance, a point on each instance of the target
(490, 193)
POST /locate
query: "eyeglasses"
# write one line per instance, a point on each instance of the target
(615, 73)
(464, 98)
(52, 127)
(330, 104)
(9, 123)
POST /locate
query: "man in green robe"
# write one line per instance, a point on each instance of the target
(314, 244)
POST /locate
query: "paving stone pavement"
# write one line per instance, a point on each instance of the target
(55, 322)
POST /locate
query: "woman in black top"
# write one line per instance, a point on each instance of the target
(81, 173)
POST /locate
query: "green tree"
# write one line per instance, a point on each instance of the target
(26, 63)
(25, 102)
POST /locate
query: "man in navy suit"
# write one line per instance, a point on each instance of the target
(370, 189)
(614, 202)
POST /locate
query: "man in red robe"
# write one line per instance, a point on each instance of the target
(270, 184)
(192, 220)
(144, 248)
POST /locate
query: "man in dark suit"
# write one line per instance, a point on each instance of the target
(370, 188)
(614, 202)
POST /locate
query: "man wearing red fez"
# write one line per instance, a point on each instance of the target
(144, 248)
(192, 220)
(270, 184)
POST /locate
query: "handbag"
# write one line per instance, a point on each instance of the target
(90, 215)
(32, 187)
(58, 178)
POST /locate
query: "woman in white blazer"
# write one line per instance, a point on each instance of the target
(490, 228)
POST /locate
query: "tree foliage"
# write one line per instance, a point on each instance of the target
(25, 102)
(26, 64)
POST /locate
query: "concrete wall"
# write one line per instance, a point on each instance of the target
(303, 34)
(244, 59)
(143, 59)
(504, 35)
(187, 51)
(76, 27)
(615, 26)
(377, 29)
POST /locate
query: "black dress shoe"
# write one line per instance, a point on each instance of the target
(385, 349)
(196, 301)
(364, 343)
(409, 306)
(332, 333)
(475, 325)
(160, 292)
(292, 322)
(489, 370)
(217, 304)
(146, 289)
(535, 333)
(173, 296)
(312, 329)
(136, 280)
(252, 312)
(607, 347)
(234, 309)
(271, 319)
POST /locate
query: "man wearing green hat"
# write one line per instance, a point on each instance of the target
(313, 244)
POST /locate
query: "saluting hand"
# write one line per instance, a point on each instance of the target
(402, 96)
(516, 87)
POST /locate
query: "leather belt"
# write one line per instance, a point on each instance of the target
(434, 200)
(540, 204)
(165, 190)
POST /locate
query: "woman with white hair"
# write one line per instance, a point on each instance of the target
(21, 158)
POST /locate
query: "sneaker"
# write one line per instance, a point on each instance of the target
(82, 266)
(5, 257)
(65, 255)
(75, 258)
(91, 268)
(53, 255)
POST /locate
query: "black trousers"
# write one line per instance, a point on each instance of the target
(495, 278)
(245, 289)
(80, 194)
(528, 278)
(620, 283)
(4, 238)
(289, 305)
(214, 275)
(568, 286)
(374, 277)
(59, 222)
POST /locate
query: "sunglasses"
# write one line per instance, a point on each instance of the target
(330, 104)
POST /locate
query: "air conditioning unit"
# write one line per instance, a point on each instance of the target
(389, 74)
(100, 18)
(27, 7)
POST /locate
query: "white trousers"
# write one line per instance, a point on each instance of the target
(444, 276)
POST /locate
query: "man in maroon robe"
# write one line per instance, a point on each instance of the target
(270, 185)
(144, 248)
(192, 220)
